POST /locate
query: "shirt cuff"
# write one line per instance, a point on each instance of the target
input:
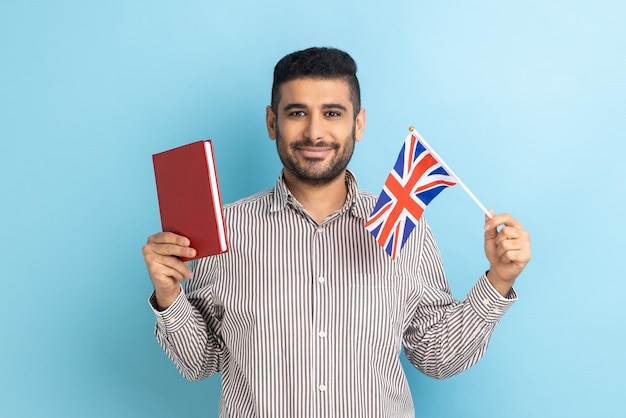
(488, 302)
(174, 317)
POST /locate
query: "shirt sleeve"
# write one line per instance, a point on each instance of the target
(190, 333)
(446, 336)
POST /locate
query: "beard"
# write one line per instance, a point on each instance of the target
(314, 171)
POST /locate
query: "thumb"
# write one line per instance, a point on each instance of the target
(491, 230)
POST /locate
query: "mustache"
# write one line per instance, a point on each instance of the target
(316, 144)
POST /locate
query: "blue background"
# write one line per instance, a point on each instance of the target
(524, 100)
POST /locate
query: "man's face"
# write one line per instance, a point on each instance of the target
(315, 128)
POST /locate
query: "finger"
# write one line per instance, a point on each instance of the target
(490, 233)
(513, 234)
(513, 238)
(173, 250)
(502, 219)
(507, 256)
(168, 273)
(507, 234)
(514, 250)
(168, 250)
(169, 238)
(161, 267)
(488, 218)
(504, 248)
(519, 257)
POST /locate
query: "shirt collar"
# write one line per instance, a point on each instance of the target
(354, 201)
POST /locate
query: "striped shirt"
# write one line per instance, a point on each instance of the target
(308, 320)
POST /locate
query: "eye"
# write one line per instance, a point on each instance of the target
(333, 114)
(297, 114)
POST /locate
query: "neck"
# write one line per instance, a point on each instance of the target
(318, 200)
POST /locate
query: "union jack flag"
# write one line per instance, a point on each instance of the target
(416, 179)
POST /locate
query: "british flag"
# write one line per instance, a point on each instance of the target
(416, 179)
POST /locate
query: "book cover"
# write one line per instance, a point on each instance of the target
(189, 197)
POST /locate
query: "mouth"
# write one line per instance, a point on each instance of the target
(315, 152)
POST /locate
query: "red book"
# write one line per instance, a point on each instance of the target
(189, 197)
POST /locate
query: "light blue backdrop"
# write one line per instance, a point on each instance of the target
(525, 100)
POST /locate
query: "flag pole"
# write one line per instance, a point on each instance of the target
(449, 170)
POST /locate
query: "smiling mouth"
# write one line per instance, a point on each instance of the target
(314, 152)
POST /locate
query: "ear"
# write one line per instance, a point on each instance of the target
(359, 124)
(270, 121)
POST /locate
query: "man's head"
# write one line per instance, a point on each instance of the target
(318, 63)
(315, 116)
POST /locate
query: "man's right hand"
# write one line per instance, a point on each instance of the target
(166, 270)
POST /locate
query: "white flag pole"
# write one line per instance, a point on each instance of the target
(445, 166)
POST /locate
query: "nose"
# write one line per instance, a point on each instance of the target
(315, 127)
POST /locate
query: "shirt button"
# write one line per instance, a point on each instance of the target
(322, 334)
(486, 302)
(320, 229)
(322, 388)
(321, 279)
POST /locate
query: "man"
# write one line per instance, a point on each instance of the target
(306, 315)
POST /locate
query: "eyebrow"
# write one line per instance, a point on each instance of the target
(326, 106)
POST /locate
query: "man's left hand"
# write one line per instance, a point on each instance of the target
(508, 250)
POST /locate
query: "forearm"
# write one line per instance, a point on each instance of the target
(188, 340)
(447, 336)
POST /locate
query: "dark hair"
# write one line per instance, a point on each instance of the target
(322, 63)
